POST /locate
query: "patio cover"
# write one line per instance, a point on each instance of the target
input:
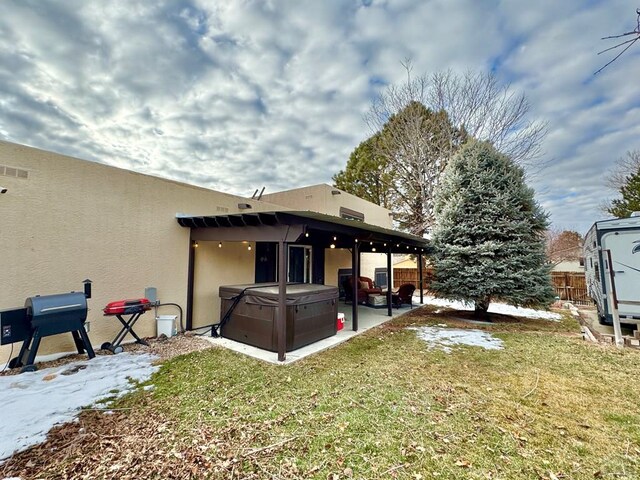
(301, 227)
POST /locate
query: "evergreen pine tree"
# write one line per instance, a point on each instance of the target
(630, 201)
(489, 238)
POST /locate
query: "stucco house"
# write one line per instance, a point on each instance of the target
(66, 219)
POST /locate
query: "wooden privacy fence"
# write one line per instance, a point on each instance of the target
(571, 286)
(410, 275)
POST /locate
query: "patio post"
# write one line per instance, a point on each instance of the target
(389, 279)
(281, 321)
(355, 268)
(420, 274)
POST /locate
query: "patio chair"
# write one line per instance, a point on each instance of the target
(404, 295)
(366, 287)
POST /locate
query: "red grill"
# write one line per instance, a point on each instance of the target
(127, 307)
(132, 307)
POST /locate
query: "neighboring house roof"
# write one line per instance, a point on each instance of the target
(568, 266)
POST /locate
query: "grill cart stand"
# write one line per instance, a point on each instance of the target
(50, 315)
(27, 355)
(133, 308)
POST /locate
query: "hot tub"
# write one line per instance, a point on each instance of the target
(311, 314)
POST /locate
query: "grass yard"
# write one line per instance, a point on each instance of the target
(548, 406)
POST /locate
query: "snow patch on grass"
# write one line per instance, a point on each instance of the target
(445, 338)
(36, 401)
(494, 307)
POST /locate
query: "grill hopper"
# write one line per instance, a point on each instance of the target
(54, 314)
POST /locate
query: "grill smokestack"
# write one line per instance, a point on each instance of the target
(87, 288)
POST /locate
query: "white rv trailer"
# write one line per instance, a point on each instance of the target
(621, 237)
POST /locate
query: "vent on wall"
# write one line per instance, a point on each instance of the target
(13, 172)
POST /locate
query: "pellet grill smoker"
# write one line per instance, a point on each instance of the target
(43, 316)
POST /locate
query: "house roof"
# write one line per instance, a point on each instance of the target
(312, 227)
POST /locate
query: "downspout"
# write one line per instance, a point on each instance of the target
(190, 282)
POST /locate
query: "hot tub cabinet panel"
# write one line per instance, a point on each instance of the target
(311, 314)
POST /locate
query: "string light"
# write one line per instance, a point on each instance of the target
(249, 248)
(334, 239)
(219, 244)
(195, 245)
(333, 245)
(373, 249)
(306, 234)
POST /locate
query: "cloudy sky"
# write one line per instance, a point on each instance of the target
(236, 95)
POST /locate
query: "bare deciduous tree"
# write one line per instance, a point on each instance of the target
(625, 167)
(423, 121)
(627, 44)
(475, 102)
(563, 245)
(489, 111)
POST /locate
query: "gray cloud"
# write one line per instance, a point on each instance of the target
(237, 95)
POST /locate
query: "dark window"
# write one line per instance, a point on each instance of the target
(581, 260)
(299, 264)
(597, 272)
(349, 214)
(266, 262)
(381, 278)
(343, 276)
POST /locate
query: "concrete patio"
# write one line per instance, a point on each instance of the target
(368, 318)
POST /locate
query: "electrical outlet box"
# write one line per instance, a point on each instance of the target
(151, 294)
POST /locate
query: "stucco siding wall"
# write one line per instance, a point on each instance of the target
(232, 264)
(73, 219)
(318, 198)
(341, 258)
(333, 260)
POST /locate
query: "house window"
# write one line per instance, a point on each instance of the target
(597, 272)
(349, 214)
(381, 277)
(299, 264)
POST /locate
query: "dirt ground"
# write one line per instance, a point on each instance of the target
(589, 317)
(162, 346)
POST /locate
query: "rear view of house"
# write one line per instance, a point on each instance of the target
(65, 220)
